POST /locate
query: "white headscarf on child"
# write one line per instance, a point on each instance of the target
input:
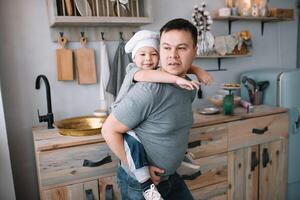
(140, 39)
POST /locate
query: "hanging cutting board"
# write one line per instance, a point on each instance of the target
(64, 61)
(85, 64)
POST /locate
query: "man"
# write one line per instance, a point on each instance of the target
(161, 116)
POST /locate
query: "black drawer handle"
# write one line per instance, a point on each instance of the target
(89, 163)
(89, 194)
(254, 161)
(260, 131)
(109, 192)
(194, 144)
(265, 157)
(192, 176)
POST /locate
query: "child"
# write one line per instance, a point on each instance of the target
(144, 48)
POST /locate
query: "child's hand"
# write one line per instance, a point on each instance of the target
(186, 84)
(205, 77)
(154, 171)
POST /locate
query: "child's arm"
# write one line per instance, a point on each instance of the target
(202, 75)
(156, 76)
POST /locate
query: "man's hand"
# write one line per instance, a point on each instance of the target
(186, 84)
(153, 173)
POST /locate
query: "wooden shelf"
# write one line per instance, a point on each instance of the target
(220, 57)
(266, 19)
(263, 20)
(106, 18)
(99, 21)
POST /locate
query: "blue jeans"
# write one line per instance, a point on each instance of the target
(172, 189)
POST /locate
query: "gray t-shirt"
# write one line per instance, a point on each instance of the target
(161, 116)
(128, 82)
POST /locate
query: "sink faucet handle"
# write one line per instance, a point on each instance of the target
(42, 118)
(39, 116)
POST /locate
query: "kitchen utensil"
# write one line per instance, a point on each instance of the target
(262, 85)
(83, 7)
(69, 7)
(245, 83)
(85, 64)
(123, 9)
(251, 84)
(64, 61)
(80, 126)
(209, 111)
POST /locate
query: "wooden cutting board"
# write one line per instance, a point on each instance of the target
(64, 61)
(85, 64)
(69, 7)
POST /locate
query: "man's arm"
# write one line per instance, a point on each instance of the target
(202, 75)
(156, 76)
(112, 131)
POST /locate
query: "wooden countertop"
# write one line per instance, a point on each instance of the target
(49, 139)
(239, 113)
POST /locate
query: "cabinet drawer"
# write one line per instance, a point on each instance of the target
(65, 165)
(81, 191)
(206, 141)
(212, 192)
(258, 130)
(213, 170)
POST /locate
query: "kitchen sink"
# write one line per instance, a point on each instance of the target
(80, 126)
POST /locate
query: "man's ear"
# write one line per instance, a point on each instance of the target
(195, 50)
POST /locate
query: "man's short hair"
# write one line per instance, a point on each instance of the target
(180, 24)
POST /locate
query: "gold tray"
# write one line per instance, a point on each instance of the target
(80, 126)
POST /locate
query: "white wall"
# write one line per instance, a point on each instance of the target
(7, 190)
(27, 51)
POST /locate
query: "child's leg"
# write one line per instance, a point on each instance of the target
(138, 165)
(136, 157)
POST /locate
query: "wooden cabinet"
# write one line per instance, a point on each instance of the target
(80, 168)
(258, 172)
(242, 157)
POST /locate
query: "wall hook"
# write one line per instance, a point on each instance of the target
(82, 34)
(102, 35)
(121, 35)
(61, 34)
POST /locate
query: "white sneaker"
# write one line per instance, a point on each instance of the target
(152, 193)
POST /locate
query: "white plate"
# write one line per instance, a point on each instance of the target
(83, 7)
(209, 111)
(231, 88)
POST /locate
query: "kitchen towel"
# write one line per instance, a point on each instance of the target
(118, 69)
(105, 98)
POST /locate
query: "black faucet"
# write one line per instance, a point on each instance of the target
(49, 117)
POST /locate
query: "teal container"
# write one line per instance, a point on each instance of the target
(228, 104)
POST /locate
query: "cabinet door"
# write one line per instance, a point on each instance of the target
(243, 173)
(273, 170)
(108, 188)
(81, 191)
